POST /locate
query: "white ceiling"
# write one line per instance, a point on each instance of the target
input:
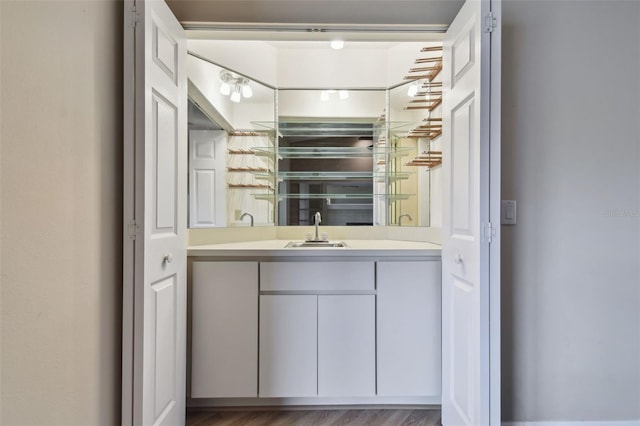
(367, 12)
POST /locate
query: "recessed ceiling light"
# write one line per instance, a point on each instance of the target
(337, 44)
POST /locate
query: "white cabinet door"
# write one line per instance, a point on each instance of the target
(224, 342)
(346, 345)
(408, 328)
(288, 345)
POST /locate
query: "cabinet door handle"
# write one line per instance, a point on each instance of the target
(167, 258)
(457, 259)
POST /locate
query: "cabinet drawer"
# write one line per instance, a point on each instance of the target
(317, 276)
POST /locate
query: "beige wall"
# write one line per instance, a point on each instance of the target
(571, 153)
(61, 212)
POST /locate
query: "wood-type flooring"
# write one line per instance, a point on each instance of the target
(355, 417)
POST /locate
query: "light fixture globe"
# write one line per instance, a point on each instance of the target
(247, 92)
(413, 89)
(236, 94)
(227, 78)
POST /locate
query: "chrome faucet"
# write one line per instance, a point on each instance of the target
(247, 214)
(407, 215)
(316, 221)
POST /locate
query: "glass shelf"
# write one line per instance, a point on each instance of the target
(378, 176)
(279, 197)
(329, 128)
(330, 152)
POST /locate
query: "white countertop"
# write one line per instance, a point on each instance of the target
(355, 248)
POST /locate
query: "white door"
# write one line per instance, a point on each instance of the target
(207, 178)
(470, 394)
(155, 212)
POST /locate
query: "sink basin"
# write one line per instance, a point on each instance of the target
(323, 244)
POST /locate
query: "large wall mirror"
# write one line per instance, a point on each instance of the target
(280, 130)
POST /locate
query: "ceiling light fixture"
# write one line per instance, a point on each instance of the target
(337, 44)
(235, 87)
(326, 95)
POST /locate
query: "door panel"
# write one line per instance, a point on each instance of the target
(462, 187)
(165, 52)
(164, 124)
(467, 101)
(207, 178)
(165, 313)
(155, 214)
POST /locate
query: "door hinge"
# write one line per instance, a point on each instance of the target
(488, 232)
(134, 17)
(490, 22)
(132, 229)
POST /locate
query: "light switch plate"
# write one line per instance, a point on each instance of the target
(508, 212)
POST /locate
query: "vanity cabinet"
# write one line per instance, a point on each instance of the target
(312, 329)
(224, 329)
(408, 328)
(321, 342)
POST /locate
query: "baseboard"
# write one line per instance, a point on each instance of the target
(576, 423)
(318, 402)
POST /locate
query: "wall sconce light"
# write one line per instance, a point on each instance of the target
(235, 87)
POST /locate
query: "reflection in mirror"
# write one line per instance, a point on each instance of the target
(322, 142)
(222, 180)
(326, 155)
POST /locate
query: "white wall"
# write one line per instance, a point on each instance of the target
(357, 65)
(61, 243)
(571, 273)
(306, 103)
(256, 59)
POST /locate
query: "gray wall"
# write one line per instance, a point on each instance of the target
(571, 273)
(61, 212)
